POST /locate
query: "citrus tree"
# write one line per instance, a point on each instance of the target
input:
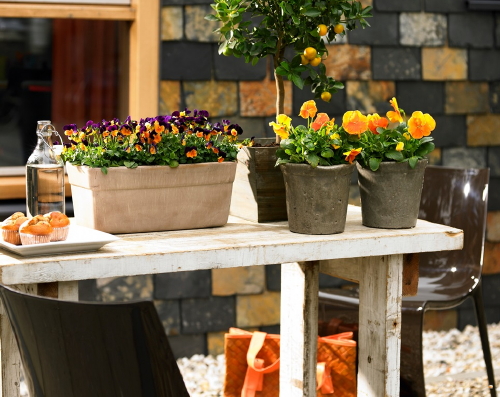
(254, 29)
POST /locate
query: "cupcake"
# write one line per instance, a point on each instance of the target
(36, 231)
(10, 228)
(60, 224)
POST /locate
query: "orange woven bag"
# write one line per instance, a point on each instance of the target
(252, 364)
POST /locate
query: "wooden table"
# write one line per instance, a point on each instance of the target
(373, 257)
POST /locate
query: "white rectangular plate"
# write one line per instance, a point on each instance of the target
(79, 239)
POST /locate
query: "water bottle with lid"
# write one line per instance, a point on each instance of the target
(45, 173)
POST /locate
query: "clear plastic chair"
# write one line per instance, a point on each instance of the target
(454, 197)
(82, 349)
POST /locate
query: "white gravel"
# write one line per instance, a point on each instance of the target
(453, 362)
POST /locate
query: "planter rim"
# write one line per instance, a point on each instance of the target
(389, 164)
(317, 167)
(121, 167)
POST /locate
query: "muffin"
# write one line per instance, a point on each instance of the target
(36, 231)
(60, 224)
(10, 228)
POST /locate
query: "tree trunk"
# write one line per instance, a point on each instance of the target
(280, 96)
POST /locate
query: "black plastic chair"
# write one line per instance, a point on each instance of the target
(82, 349)
(454, 197)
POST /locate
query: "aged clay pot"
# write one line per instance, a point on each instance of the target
(258, 189)
(390, 196)
(317, 197)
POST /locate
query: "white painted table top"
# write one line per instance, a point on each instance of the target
(239, 243)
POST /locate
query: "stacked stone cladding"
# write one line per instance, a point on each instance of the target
(434, 56)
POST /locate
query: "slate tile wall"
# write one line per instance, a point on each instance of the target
(435, 56)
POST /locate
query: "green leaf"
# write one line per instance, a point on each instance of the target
(211, 17)
(424, 149)
(311, 12)
(394, 155)
(312, 159)
(374, 163)
(426, 139)
(327, 153)
(297, 80)
(104, 170)
(281, 71)
(413, 161)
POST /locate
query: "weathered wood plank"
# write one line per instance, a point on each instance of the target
(79, 11)
(236, 244)
(380, 288)
(347, 269)
(299, 312)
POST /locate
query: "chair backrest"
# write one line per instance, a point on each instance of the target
(455, 197)
(75, 349)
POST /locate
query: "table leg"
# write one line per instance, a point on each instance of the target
(10, 358)
(299, 329)
(380, 289)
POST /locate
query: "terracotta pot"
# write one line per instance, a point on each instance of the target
(258, 190)
(152, 198)
(317, 197)
(390, 196)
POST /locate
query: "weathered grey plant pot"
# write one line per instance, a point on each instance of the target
(317, 197)
(258, 189)
(390, 196)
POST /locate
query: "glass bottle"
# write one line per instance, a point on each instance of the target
(45, 174)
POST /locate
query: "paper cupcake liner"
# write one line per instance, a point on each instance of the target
(59, 233)
(11, 236)
(29, 239)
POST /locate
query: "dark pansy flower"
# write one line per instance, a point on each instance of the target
(85, 142)
(176, 114)
(127, 120)
(234, 130)
(73, 142)
(203, 113)
(67, 145)
(70, 129)
(56, 143)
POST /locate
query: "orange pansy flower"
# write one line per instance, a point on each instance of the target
(375, 121)
(421, 124)
(308, 109)
(351, 154)
(394, 116)
(354, 122)
(320, 121)
(192, 153)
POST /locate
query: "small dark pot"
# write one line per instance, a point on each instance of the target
(390, 196)
(317, 197)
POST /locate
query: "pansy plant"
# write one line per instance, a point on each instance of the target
(390, 138)
(180, 138)
(321, 142)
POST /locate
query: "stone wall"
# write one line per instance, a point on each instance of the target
(434, 56)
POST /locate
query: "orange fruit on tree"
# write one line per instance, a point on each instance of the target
(322, 29)
(316, 61)
(339, 28)
(310, 53)
(326, 96)
(303, 60)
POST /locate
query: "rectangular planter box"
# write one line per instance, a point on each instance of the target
(152, 198)
(259, 190)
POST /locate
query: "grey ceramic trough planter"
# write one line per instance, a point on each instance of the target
(390, 196)
(317, 198)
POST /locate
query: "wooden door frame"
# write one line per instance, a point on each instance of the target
(143, 42)
(139, 86)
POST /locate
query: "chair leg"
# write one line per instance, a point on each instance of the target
(483, 332)
(412, 367)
